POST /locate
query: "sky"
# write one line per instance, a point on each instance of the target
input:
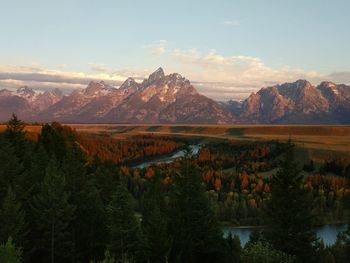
(226, 48)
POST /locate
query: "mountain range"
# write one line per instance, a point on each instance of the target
(173, 99)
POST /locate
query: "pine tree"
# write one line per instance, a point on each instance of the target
(290, 219)
(52, 139)
(53, 215)
(9, 253)
(12, 219)
(88, 227)
(11, 169)
(124, 228)
(194, 227)
(15, 128)
(155, 223)
(15, 135)
(347, 232)
(108, 258)
(73, 167)
(92, 238)
(234, 248)
(263, 252)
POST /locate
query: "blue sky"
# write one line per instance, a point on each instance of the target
(227, 48)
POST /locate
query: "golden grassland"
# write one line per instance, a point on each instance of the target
(315, 141)
(322, 137)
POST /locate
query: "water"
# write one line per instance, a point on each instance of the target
(328, 233)
(168, 159)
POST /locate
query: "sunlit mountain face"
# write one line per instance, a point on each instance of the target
(173, 99)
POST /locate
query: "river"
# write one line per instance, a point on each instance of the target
(194, 148)
(328, 233)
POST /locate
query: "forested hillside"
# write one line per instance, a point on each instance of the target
(65, 197)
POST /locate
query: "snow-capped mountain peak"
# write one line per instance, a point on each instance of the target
(97, 89)
(25, 92)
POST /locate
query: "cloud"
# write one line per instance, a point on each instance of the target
(341, 77)
(226, 77)
(40, 85)
(231, 23)
(213, 74)
(37, 77)
(98, 67)
(158, 48)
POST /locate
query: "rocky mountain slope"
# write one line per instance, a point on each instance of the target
(158, 99)
(298, 102)
(26, 103)
(173, 99)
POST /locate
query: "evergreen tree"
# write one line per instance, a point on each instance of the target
(234, 248)
(155, 223)
(9, 253)
(36, 173)
(289, 213)
(89, 225)
(123, 226)
(92, 238)
(263, 252)
(347, 232)
(15, 129)
(106, 180)
(11, 169)
(193, 225)
(108, 258)
(16, 144)
(12, 219)
(73, 167)
(324, 254)
(340, 250)
(15, 135)
(53, 214)
(53, 140)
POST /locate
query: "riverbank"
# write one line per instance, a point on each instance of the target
(330, 222)
(327, 233)
(194, 149)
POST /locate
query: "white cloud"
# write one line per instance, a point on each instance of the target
(239, 75)
(98, 67)
(231, 22)
(341, 77)
(158, 48)
(40, 78)
(213, 74)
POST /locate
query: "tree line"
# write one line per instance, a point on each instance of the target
(58, 205)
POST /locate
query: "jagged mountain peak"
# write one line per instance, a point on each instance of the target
(298, 102)
(175, 76)
(97, 87)
(296, 90)
(54, 92)
(327, 84)
(129, 82)
(302, 83)
(57, 92)
(25, 90)
(159, 73)
(290, 87)
(96, 84)
(155, 76)
(332, 91)
(173, 99)
(5, 92)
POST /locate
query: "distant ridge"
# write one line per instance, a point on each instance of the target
(173, 99)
